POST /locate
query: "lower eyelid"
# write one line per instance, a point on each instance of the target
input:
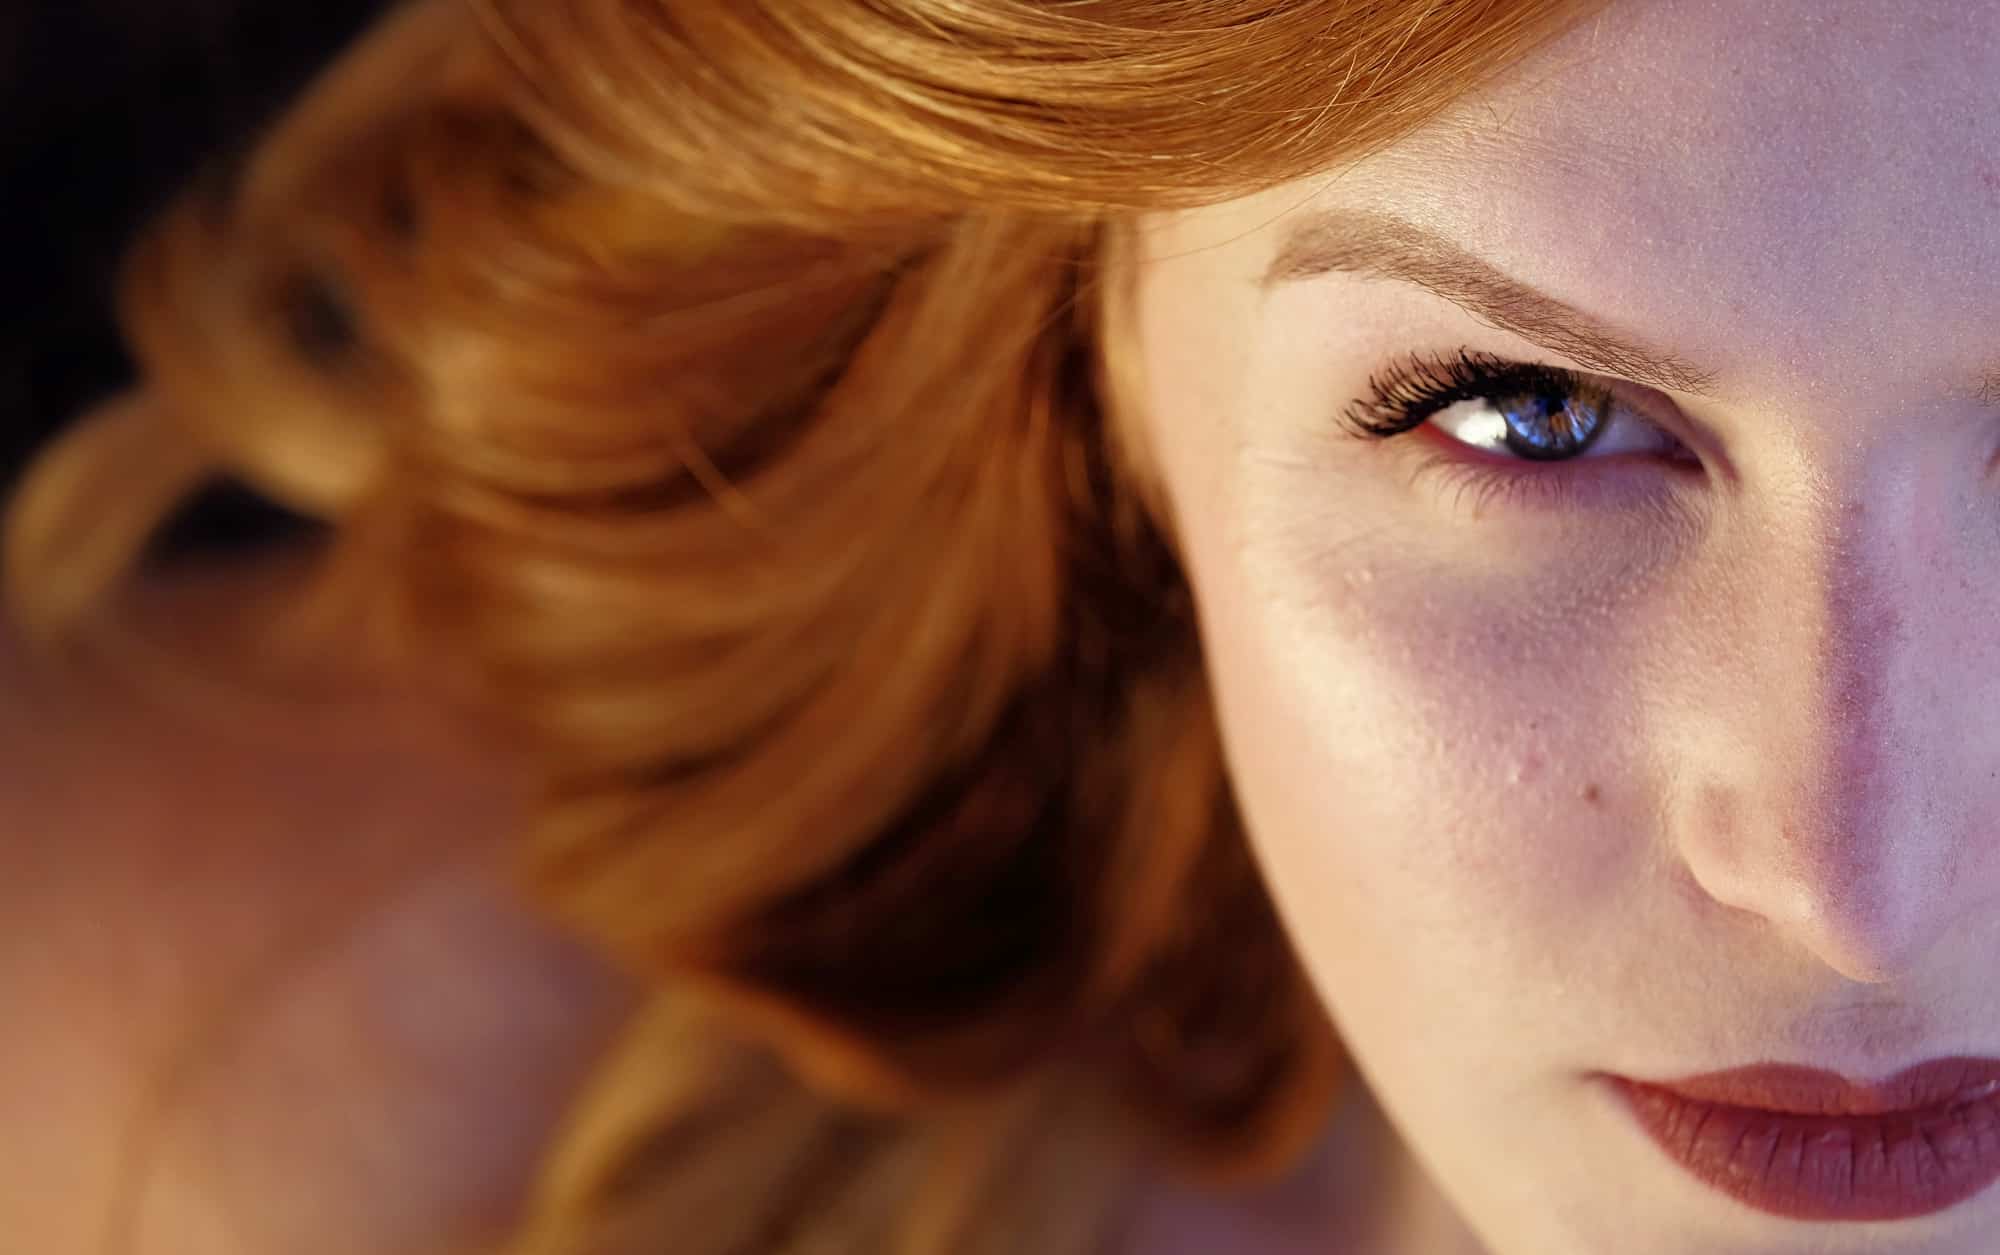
(1470, 480)
(1474, 487)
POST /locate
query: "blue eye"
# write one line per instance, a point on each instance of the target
(1514, 410)
(1542, 426)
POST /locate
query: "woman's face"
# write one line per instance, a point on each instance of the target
(1677, 750)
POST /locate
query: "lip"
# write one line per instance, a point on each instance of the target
(1806, 1144)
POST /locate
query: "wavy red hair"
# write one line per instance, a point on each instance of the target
(734, 393)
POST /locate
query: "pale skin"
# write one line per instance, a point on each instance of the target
(1689, 767)
(1693, 766)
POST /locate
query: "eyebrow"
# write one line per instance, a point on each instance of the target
(1379, 245)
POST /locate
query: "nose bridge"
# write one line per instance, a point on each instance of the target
(1850, 805)
(1829, 826)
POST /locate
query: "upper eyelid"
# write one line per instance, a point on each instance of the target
(1385, 246)
(1404, 394)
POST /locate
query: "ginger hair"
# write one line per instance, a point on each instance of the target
(733, 398)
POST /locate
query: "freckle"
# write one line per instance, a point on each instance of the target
(1593, 795)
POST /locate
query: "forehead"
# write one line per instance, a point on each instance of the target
(1798, 191)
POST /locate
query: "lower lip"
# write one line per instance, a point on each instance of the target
(1758, 1136)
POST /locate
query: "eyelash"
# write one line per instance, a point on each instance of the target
(1410, 392)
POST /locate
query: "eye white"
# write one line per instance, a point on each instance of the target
(1479, 423)
(1474, 422)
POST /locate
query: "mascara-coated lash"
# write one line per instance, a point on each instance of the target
(1406, 394)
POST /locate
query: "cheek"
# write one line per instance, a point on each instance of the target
(1432, 768)
(1431, 720)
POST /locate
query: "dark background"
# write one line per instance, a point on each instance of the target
(109, 106)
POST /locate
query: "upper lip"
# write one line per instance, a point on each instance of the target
(1795, 1089)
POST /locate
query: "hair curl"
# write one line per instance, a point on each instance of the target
(732, 393)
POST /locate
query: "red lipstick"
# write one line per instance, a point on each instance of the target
(1813, 1145)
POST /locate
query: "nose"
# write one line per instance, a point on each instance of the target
(1840, 783)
